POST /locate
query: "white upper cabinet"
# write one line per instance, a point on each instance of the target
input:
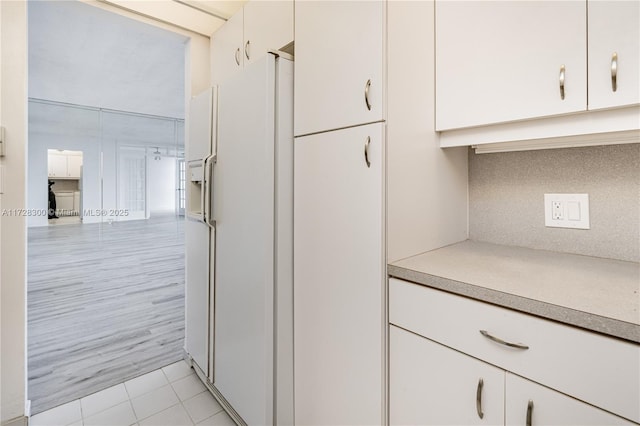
(268, 25)
(614, 53)
(226, 49)
(506, 61)
(64, 165)
(260, 26)
(339, 64)
(57, 165)
(74, 166)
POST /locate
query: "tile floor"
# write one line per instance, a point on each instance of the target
(170, 396)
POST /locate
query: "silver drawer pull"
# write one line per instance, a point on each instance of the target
(479, 398)
(238, 56)
(246, 49)
(529, 412)
(614, 71)
(503, 342)
(562, 82)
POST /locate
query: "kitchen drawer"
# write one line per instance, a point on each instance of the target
(597, 369)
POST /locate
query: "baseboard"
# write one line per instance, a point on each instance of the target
(18, 421)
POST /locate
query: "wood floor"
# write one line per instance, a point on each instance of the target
(105, 304)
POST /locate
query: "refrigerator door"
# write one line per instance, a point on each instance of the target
(197, 292)
(244, 265)
(198, 245)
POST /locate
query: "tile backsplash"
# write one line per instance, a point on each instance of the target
(506, 199)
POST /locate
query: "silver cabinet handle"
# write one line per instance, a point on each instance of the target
(562, 82)
(502, 342)
(366, 151)
(479, 398)
(246, 49)
(614, 71)
(366, 94)
(529, 412)
(238, 56)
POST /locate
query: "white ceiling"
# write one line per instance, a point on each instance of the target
(201, 16)
(84, 55)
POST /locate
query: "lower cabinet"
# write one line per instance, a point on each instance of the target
(528, 403)
(431, 384)
(442, 370)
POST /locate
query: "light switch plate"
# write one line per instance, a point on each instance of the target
(566, 211)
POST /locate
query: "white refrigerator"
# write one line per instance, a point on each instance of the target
(251, 298)
(199, 231)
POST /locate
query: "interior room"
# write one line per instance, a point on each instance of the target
(393, 213)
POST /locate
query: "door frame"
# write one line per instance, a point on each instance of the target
(13, 236)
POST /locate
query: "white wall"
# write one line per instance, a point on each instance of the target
(162, 184)
(13, 116)
(80, 54)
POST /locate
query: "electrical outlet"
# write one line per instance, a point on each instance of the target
(556, 210)
(566, 211)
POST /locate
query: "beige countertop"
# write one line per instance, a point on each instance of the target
(601, 295)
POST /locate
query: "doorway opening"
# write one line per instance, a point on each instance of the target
(105, 293)
(64, 197)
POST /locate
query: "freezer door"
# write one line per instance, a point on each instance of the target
(202, 125)
(244, 266)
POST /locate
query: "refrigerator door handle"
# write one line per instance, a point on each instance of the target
(208, 185)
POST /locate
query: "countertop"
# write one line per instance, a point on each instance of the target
(601, 295)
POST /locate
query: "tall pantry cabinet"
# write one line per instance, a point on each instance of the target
(365, 135)
(339, 268)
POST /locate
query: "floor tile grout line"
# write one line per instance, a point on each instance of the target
(104, 409)
(81, 411)
(154, 414)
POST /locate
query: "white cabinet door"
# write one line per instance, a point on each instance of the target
(548, 407)
(614, 29)
(339, 277)
(227, 49)
(339, 60)
(57, 165)
(501, 61)
(268, 25)
(74, 165)
(430, 384)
